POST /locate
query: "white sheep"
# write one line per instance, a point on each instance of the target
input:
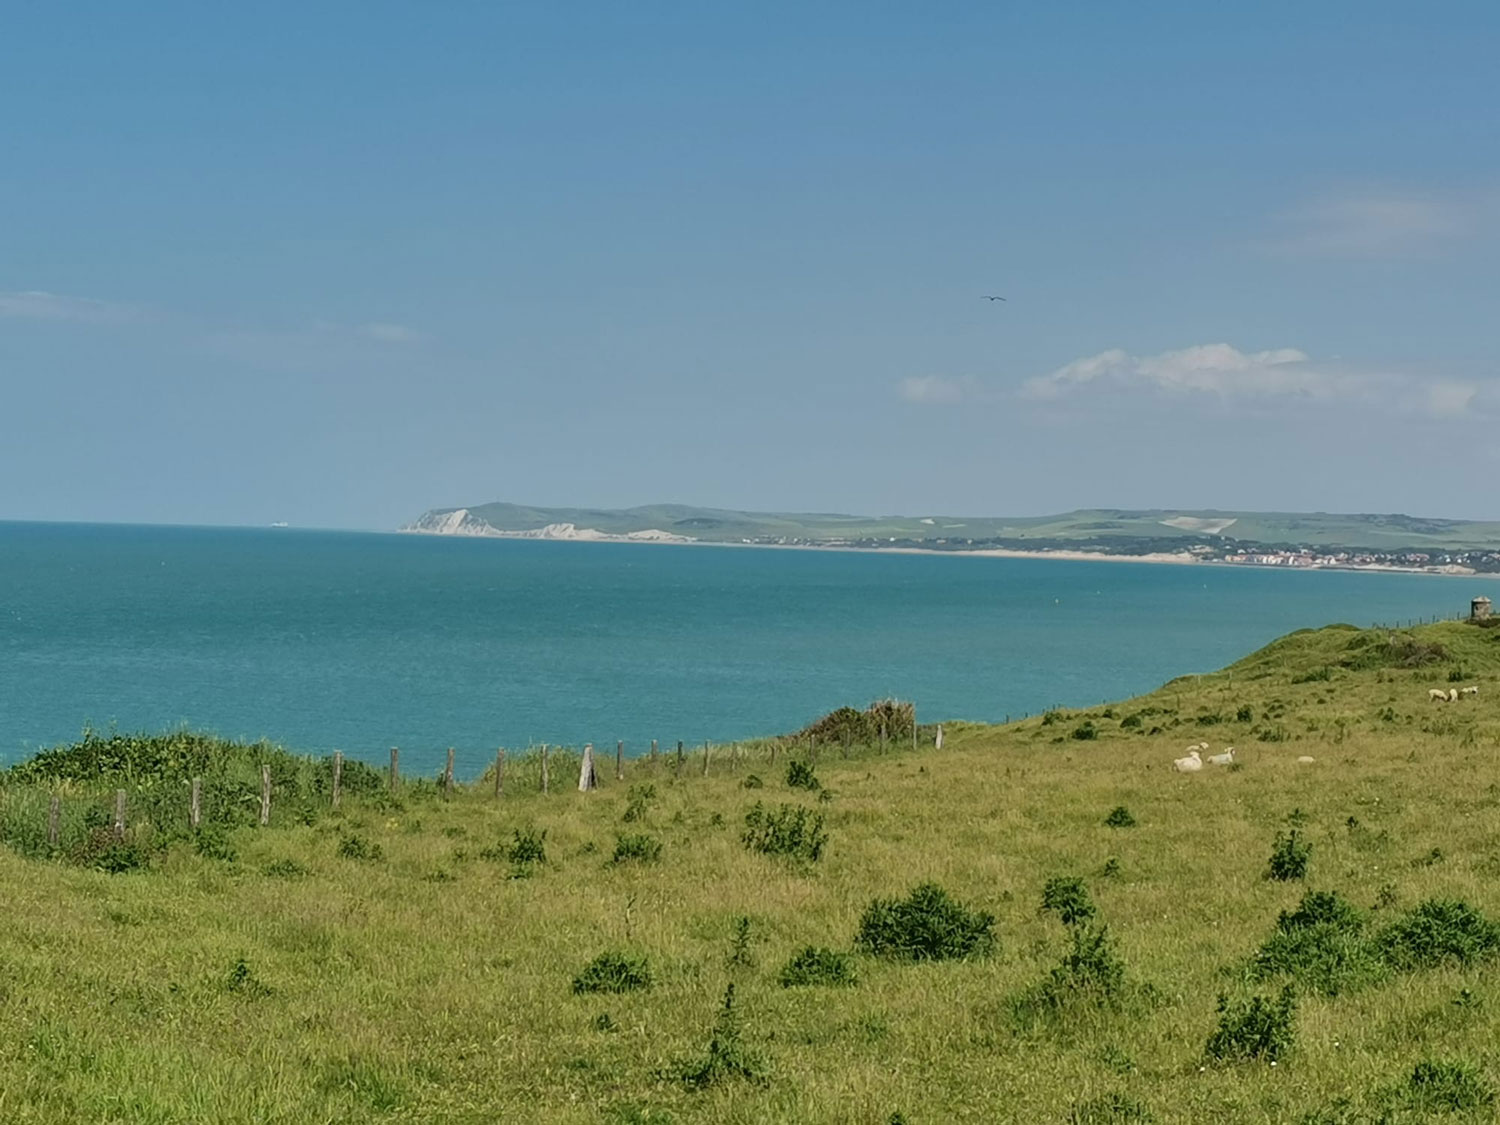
(1437, 694)
(1453, 695)
(1473, 689)
(1191, 764)
(1224, 759)
(1306, 760)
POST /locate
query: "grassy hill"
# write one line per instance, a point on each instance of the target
(1104, 528)
(411, 958)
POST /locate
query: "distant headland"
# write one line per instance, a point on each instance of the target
(1302, 541)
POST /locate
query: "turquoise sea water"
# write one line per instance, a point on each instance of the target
(324, 640)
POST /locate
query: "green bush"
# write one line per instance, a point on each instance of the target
(1084, 731)
(1120, 817)
(1068, 898)
(789, 830)
(212, 842)
(1090, 975)
(1132, 721)
(613, 972)
(1244, 715)
(799, 775)
(1289, 856)
(1321, 945)
(639, 847)
(1436, 932)
(285, 869)
(815, 966)
(927, 925)
(527, 846)
(354, 846)
(1259, 1028)
(753, 781)
(1317, 675)
(1446, 1087)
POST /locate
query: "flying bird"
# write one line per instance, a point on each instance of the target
(987, 297)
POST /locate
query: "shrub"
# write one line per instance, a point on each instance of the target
(927, 925)
(641, 847)
(640, 800)
(789, 830)
(1084, 731)
(1438, 931)
(1259, 1028)
(1446, 1087)
(1321, 945)
(1132, 721)
(727, 1056)
(753, 781)
(1244, 715)
(527, 847)
(1289, 856)
(1068, 898)
(815, 966)
(1091, 974)
(354, 846)
(1111, 868)
(1457, 675)
(1120, 817)
(212, 843)
(799, 775)
(1317, 675)
(285, 869)
(1110, 1109)
(613, 972)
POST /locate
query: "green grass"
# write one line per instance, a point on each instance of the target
(269, 978)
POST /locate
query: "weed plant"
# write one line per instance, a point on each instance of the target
(817, 966)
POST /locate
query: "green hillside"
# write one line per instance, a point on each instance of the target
(1163, 529)
(1101, 928)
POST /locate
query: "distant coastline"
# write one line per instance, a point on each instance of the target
(458, 524)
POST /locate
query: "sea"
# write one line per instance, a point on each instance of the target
(323, 640)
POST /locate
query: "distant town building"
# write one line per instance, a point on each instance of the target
(1479, 609)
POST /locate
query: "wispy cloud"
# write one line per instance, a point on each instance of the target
(1378, 223)
(35, 304)
(389, 333)
(1225, 372)
(939, 390)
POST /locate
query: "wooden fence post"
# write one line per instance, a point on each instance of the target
(448, 777)
(544, 767)
(773, 754)
(705, 759)
(119, 829)
(679, 758)
(338, 777)
(195, 805)
(265, 795)
(395, 768)
(914, 725)
(653, 751)
(54, 816)
(587, 779)
(499, 772)
(619, 761)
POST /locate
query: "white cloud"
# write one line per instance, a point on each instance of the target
(1379, 223)
(1227, 373)
(35, 304)
(937, 389)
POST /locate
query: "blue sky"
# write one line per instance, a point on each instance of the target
(338, 263)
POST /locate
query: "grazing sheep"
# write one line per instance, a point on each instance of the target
(1191, 764)
(1224, 759)
(1471, 690)
(1438, 694)
(1306, 760)
(1453, 695)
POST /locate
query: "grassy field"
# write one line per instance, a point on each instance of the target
(413, 959)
